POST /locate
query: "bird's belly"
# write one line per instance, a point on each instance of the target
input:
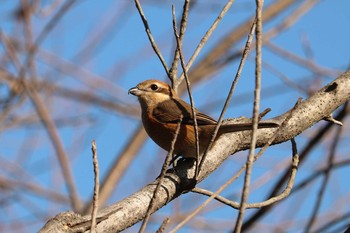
(164, 133)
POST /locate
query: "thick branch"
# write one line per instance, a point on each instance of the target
(132, 209)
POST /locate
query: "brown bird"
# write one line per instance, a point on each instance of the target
(162, 110)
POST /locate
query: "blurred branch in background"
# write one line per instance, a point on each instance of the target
(65, 67)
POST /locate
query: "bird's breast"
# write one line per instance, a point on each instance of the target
(164, 133)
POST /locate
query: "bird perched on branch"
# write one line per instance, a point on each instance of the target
(162, 110)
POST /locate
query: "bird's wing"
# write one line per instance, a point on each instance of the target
(169, 111)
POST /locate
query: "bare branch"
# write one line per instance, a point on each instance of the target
(160, 179)
(56, 141)
(250, 159)
(96, 187)
(301, 61)
(182, 60)
(209, 64)
(119, 166)
(162, 227)
(319, 135)
(326, 177)
(229, 96)
(312, 110)
(48, 27)
(331, 119)
(174, 68)
(206, 37)
(236, 205)
(150, 37)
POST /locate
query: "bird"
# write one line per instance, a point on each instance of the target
(162, 111)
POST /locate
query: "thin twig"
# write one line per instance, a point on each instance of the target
(284, 194)
(48, 27)
(28, 9)
(173, 70)
(10, 50)
(292, 18)
(42, 110)
(51, 129)
(162, 227)
(330, 118)
(325, 180)
(206, 37)
(161, 177)
(33, 188)
(150, 37)
(307, 63)
(250, 159)
(182, 61)
(279, 129)
(314, 141)
(308, 180)
(214, 195)
(262, 150)
(96, 187)
(288, 189)
(297, 85)
(214, 60)
(199, 208)
(119, 166)
(334, 221)
(263, 113)
(229, 96)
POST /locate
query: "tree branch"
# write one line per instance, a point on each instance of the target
(132, 209)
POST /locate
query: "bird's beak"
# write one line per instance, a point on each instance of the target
(134, 91)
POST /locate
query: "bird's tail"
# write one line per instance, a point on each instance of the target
(245, 126)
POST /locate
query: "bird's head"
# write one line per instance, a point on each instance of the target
(152, 92)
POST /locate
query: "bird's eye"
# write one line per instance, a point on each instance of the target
(154, 87)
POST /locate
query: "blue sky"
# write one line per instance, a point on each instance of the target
(124, 58)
